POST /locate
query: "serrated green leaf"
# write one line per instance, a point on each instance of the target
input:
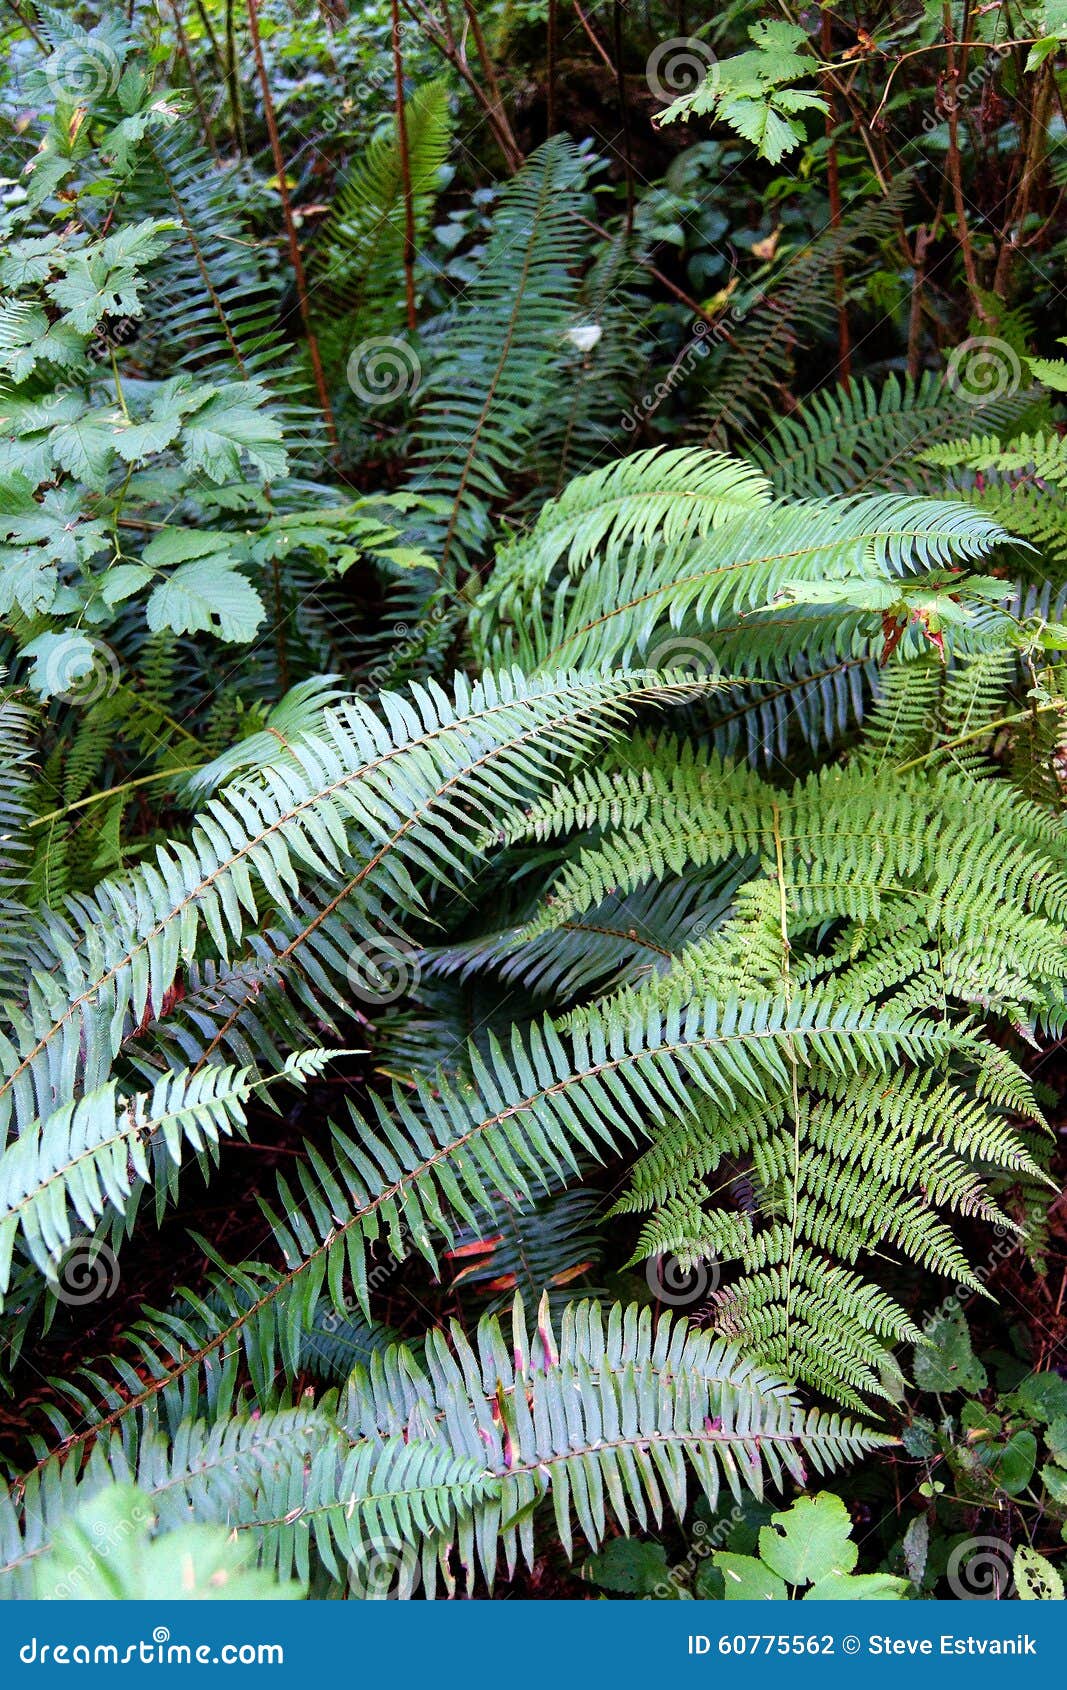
(206, 596)
(810, 1541)
(747, 1579)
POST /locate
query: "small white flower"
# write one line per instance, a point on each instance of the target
(584, 336)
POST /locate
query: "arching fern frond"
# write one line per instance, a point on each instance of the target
(606, 1416)
(364, 805)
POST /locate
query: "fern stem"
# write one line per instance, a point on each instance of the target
(978, 733)
(112, 791)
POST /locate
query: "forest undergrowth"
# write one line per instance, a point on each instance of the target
(533, 756)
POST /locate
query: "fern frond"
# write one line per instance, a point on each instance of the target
(606, 1415)
(848, 439)
(361, 806)
(495, 357)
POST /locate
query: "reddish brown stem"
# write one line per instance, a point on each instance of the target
(488, 68)
(405, 170)
(624, 115)
(444, 39)
(955, 175)
(1033, 158)
(550, 67)
(833, 180)
(299, 278)
(915, 316)
(587, 26)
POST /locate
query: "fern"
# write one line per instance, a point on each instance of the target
(358, 259)
(751, 993)
(848, 439)
(494, 357)
(604, 1417)
(675, 582)
(754, 373)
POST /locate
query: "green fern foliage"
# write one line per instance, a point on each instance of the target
(495, 358)
(358, 259)
(533, 889)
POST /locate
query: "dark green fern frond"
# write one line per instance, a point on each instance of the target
(749, 381)
(496, 355)
(859, 437)
(357, 263)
